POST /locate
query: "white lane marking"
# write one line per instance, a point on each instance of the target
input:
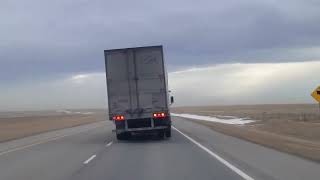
(223, 161)
(90, 159)
(109, 144)
(44, 141)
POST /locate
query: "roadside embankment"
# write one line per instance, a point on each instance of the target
(19, 125)
(294, 129)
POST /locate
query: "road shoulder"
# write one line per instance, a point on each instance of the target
(257, 160)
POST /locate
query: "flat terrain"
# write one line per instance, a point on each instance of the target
(15, 125)
(55, 146)
(92, 152)
(291, 128)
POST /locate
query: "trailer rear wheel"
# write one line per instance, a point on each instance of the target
(123, 136)
(161, 134)
(168, 132)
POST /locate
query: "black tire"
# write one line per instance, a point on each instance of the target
(120, 136)
(168, 132)
(161, 134)
(123, 136)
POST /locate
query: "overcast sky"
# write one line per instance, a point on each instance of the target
(218, 52)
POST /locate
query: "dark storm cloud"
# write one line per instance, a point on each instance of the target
(45, 39)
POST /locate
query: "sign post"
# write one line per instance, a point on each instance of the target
(316, 95)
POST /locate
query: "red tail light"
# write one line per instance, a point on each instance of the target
(159, 115)
(118, 118)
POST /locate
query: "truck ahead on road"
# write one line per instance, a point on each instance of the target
(138, 97)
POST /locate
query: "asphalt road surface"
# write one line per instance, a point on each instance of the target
(91, 152)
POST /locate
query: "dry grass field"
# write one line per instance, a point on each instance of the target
(15, 125)
(292, 128)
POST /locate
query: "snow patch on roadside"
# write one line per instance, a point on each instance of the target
(64, 111)
(229, 120)
(70, 112)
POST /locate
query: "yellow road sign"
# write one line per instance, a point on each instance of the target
(316, 94)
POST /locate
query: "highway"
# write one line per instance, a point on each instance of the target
(91, 152)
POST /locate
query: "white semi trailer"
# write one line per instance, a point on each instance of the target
(138, 97)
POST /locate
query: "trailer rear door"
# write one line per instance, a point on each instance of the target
(136, 81)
